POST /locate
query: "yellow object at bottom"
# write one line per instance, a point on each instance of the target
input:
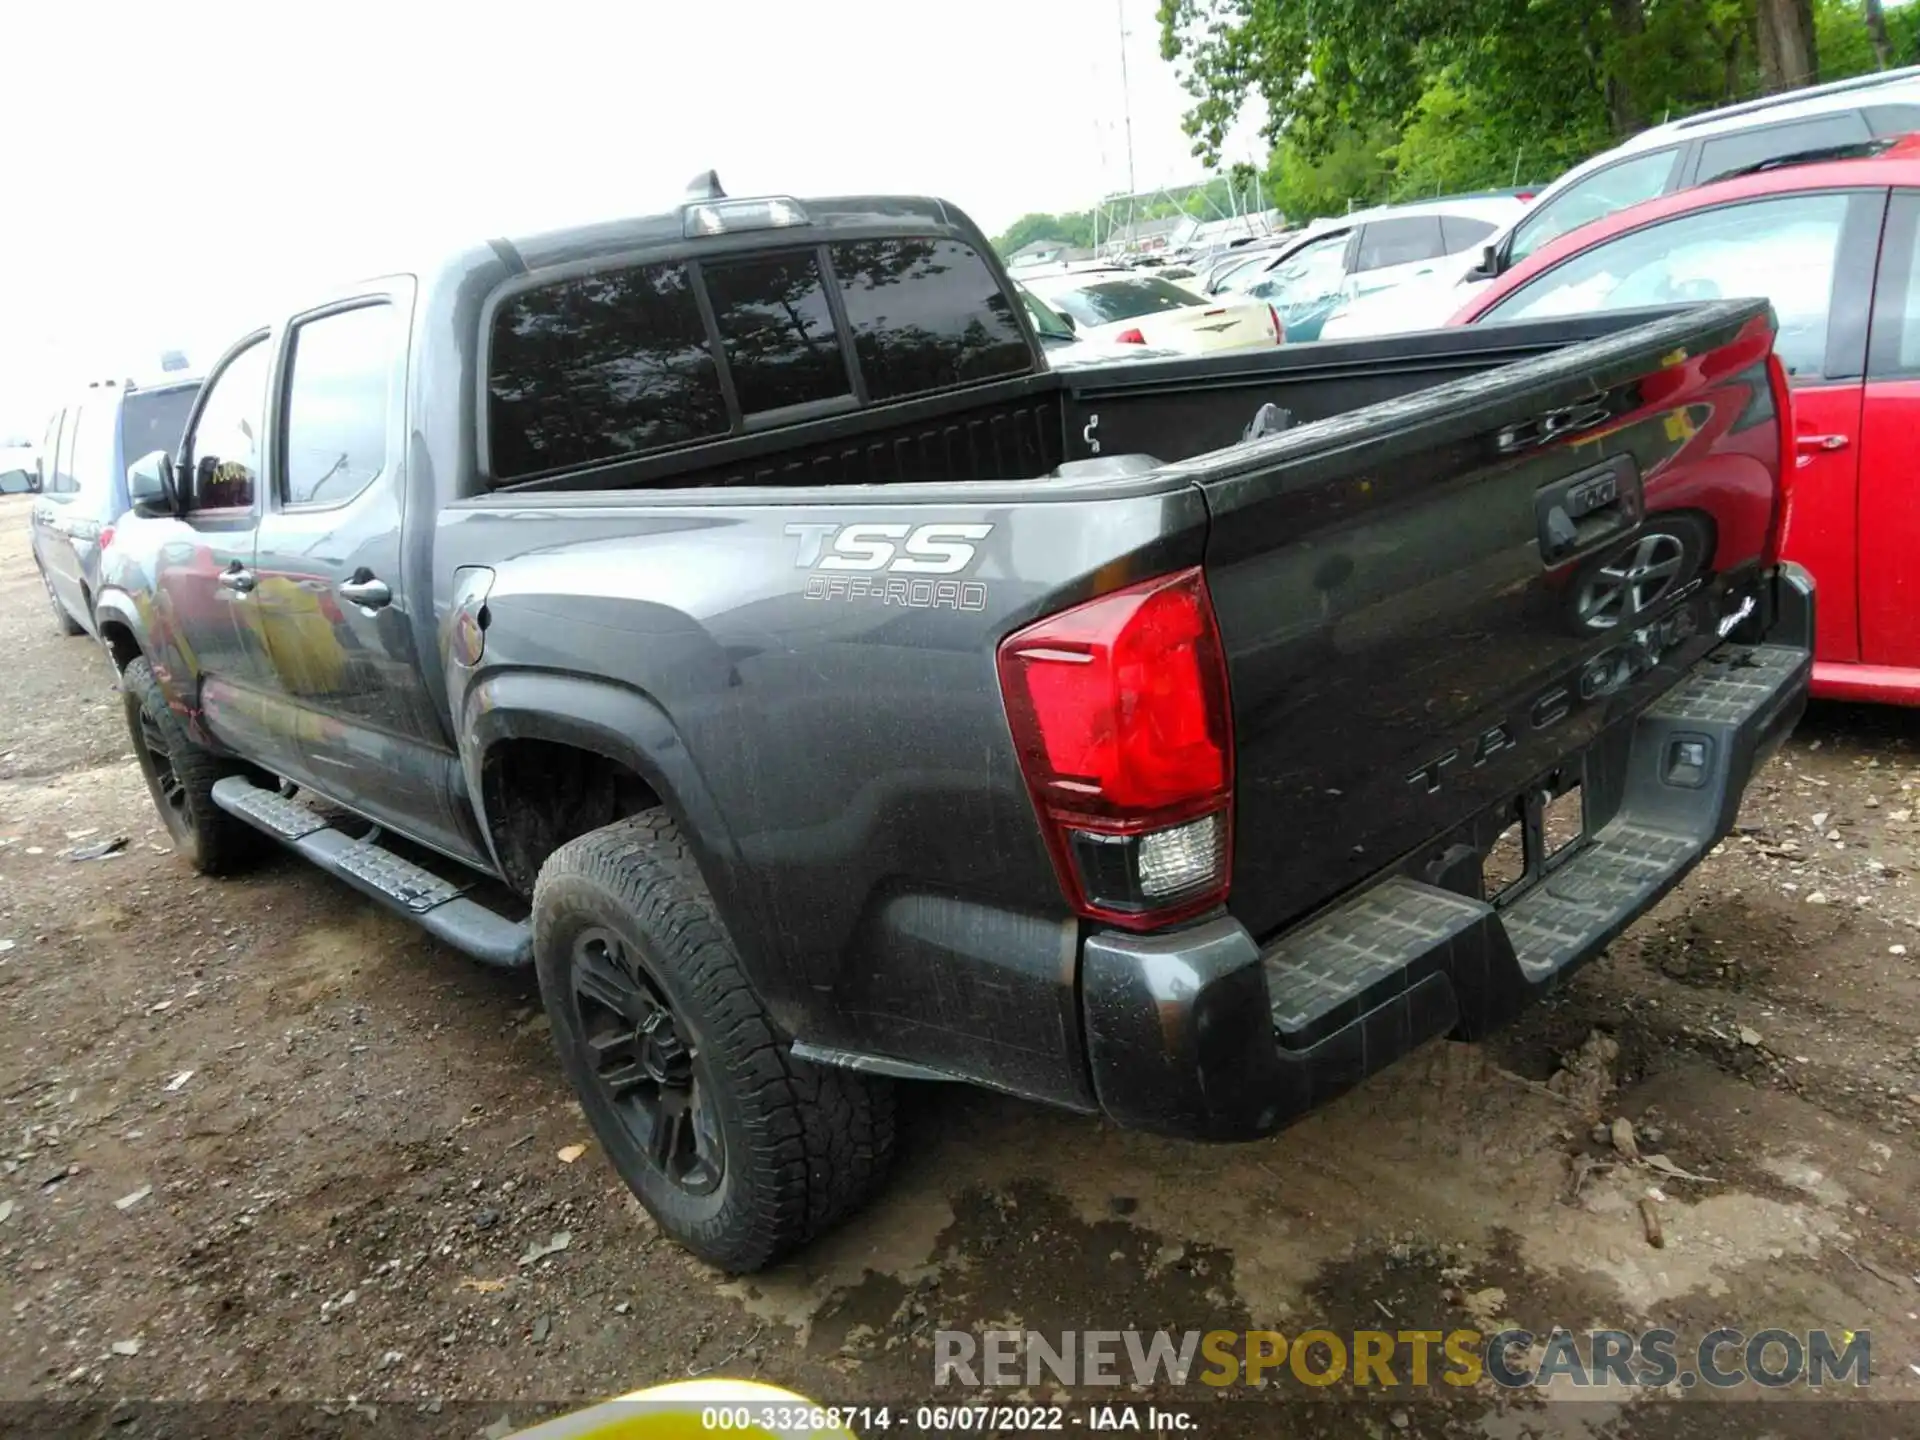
(697, 1410)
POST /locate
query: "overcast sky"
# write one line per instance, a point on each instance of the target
(168, 168)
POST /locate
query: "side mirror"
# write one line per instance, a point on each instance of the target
(1068, 321)
(150, 485)
(16, 482)
(1489, 266)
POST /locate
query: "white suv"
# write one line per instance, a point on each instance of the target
(1336, 259)
(1674, 156)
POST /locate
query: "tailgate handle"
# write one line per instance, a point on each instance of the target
(1587, 509)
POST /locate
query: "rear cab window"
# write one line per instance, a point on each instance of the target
(600, 366)
(777, 331)
(925, 315)
(622, 363)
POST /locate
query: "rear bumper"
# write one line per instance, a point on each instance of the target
(1202, 1033)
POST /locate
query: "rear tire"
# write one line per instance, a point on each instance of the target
(68, 625)
(180, 776)
(740, 1152)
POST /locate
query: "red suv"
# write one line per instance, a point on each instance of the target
(1835, 244)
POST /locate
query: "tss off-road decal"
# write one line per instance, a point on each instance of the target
(892, 562)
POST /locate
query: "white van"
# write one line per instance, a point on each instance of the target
(1674, 156)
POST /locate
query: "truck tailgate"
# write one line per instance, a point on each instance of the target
(1427, 603)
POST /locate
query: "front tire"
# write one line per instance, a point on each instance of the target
(180, 776)
(740, 1152)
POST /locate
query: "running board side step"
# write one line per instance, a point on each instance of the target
(439, 906)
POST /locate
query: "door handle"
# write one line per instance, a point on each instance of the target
(237, 579)
(366, 590)
(1812, 445)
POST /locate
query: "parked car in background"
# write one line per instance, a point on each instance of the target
(1339, 259)
(1661, 161)
(19, 465)
(1219, 267)
(88, 445)
(1063, 346)
(1835, 245)
(1114, 306)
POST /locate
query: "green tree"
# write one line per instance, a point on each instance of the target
(1071, 228)
(1372, 99)
(1852, 37)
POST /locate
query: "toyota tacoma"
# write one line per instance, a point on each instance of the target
(729, 614)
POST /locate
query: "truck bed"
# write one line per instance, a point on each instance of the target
(1170, 410)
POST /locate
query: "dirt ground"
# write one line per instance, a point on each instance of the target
(278, 1145)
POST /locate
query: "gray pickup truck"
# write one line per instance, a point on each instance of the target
(729, 614)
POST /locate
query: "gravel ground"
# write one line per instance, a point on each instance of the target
(260, 1141)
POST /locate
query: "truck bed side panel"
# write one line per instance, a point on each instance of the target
(875, 842)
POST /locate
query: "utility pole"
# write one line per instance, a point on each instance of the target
(1126, 95)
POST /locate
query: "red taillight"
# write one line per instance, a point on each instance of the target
(106, 536)
(1789, 455)
(1119, 713)
(1129, 337)
(1279, 330)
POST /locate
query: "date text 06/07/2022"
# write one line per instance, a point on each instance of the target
(985, 1419)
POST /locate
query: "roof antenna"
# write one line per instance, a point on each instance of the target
(705, 186)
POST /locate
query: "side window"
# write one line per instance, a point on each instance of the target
(50, 448)
(95, 447)
(154, 420)
(1726, 154)
(1885, 120)
(1783, 249)
(1594, 198)
(1399, 241)
(925, 314)
(1310, 273)
(225, 443)
(599, 367)
(1893, 346)
(777, 330)
(342, 365)
(1459, 234)
(60, 481)
(81, 434)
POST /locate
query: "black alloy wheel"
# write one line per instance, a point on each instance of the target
(647, 1063)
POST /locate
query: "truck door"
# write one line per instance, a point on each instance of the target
(336, 616)
(202, 628)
